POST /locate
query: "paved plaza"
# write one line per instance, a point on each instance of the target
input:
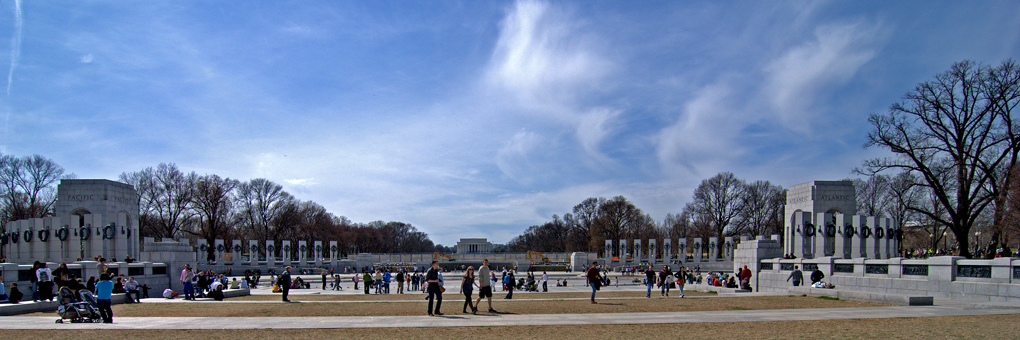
(941, 308)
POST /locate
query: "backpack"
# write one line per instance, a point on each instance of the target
(506, 279)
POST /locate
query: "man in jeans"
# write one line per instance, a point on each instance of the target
(131, 287)
(432, 277)
(594, 279)
(104, 290)
(649, 280)
(186, 276)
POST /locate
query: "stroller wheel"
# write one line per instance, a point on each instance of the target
(59, 321)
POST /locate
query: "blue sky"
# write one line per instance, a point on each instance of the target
(475, 118)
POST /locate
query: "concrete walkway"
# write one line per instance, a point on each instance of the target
(944, 308)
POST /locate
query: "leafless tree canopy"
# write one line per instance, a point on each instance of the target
(956, 134)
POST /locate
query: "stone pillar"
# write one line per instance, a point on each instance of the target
(608, 250)
(19, 250)
(713, 252)
(869, 242)
(302, 253)
(201, 251)
(730, 248)
(653, 250)
(839, 242)
(220, 248)
(253, 253)
(285, 252)
(270, 253)
(856, 246)
(667, 250)
(334, 253)
(237, 248)
(818, 241)
(95, 241)
(74, 241)
(881, 246)
(697, 250)
(121, 240)
(637, 251)
(800, 219)
(623, 251)
(681, 249)
(317, 248)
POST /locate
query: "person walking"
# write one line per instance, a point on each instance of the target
(509, 282)
(485, 285)
(467, 287)
(681, 279)
(664, 276)
(336, 282)
(186, 276)
(284, 282)
(797, 276)
(649, 280)
(594, 279)
(435, 293)
(104, 291)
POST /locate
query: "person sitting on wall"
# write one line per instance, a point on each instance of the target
(15, 296)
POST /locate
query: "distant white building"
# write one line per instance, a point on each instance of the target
(474, 245)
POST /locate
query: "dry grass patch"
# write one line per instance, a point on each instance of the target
(949, 327)
(451, 306)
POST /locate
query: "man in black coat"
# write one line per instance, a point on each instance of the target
(284, 282)
(816, 276)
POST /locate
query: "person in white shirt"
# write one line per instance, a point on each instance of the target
(545, 282)
(45, 285)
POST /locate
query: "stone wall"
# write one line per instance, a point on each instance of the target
(948, 277)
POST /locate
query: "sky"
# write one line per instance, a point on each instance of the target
(475, 118)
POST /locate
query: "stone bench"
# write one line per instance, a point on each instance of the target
(892, 299)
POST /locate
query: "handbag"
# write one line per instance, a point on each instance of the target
(442, 289)
(276, 288)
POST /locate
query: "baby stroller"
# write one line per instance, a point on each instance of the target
(84, 310)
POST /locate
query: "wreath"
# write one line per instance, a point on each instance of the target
(44, 235)
(109, 232)
(318, 248)
(14, 237)
(254, 248)
(237, 248)
(697, 246)
(865, 232)
(879, 233)
(203, 247)
(891, 233)
(28, 235)
(849, 231)
(304, 248)
(219, 247)
(4, 238)
(830, 230)
(271, 248)
(62, 234)
(286, 248)
(332, 248)
(84, 233)
(809, 230)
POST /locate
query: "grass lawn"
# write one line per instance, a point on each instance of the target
(453, 306)
(954, 327)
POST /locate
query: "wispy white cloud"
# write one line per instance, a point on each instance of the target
(704, 136)
(594, 127)
(86, 59)
(834, 55)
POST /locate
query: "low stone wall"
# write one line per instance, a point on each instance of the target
(154, 275)
(950, 277)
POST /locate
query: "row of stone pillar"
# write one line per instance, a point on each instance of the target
(842, 236)
(67, 238)
(641, 253)
(255, 258)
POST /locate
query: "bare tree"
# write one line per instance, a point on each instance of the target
(716, 205)
(260, 205)
(956, 134)
(585, 224)
(761, 203)
(871, 195)
(29, 186)
(212, 200)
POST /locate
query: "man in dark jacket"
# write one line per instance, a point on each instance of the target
(816, 276)
(284, 282)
